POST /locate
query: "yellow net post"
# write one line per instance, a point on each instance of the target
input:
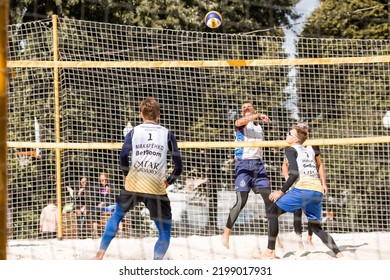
(57, 123)
(3, 128)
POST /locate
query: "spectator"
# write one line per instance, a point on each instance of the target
(104, 202)
(83, 202)
(49, 220)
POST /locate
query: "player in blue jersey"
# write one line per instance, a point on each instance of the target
(250, 172)
(143, 161)
(306, 194)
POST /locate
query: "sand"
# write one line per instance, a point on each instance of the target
(365, 255)
(357, 246)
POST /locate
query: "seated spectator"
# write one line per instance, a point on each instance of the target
(105, 201)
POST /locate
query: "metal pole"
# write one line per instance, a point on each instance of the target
(3, 128)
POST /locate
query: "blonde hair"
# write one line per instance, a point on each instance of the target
(301, 133)
(303, 125)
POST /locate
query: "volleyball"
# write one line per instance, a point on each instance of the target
(213, 19)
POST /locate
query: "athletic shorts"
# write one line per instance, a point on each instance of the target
(250, 175)
(159, 206)
(310, 202)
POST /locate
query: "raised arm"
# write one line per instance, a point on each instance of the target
(249, 117)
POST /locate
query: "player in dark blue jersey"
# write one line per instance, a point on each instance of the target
(143, 161)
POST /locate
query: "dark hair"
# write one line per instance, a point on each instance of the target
(52, 200)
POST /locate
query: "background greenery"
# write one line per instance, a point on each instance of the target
(358, 19)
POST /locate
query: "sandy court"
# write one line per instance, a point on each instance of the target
(357, 246)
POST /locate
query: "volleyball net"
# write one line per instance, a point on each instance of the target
(75, 88)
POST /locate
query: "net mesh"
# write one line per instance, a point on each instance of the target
(200, 80)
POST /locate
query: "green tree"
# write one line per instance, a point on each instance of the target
(239, 16)
(352, 19)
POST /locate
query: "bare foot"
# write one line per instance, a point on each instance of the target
(310, 241)
(225, 237)
(298, 239)
(268, 255)
(339, 255)
(99, 254)
(279, 243)
(300, 246)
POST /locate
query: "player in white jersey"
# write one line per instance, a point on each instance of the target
(143, 159)
(250, 172)
(297, 222)
(306, 195)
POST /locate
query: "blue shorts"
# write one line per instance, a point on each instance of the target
(250, 175)
(309, 201)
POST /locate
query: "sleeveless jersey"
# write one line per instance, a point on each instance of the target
(147, 172)
(250, 132)
(308, 175)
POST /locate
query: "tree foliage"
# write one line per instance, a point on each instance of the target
(239, 16)
(352, 19)
(358, 19)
